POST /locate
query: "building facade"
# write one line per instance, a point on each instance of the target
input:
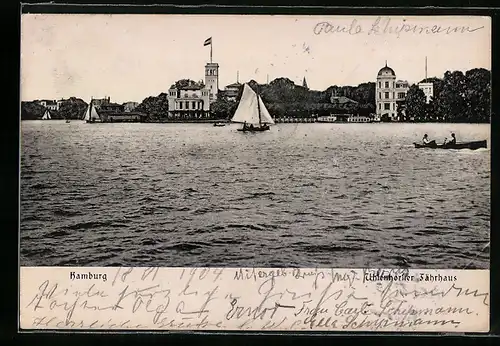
(193, 101)
(388, 93)
(428, 89)
(49, 104)
(130, 106)
(231, 91)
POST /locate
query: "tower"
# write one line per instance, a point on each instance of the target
(304, 83)
(385, 93)
(212, 79)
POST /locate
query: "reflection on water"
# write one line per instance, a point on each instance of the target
(336, 195)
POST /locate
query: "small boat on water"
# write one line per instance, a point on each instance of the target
(464, 145)
(219, 124)
(252, 112)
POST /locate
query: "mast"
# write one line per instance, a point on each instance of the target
(90, 110)
(426, 68)
(258, 107)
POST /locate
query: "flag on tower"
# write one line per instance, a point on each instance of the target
(208, 41)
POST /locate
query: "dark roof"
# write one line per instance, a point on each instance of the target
(111, 104)
(386, 71)
(234, 85)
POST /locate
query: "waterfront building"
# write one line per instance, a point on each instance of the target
(49, 104)
(193, 101)
(130, 106)
(428, 89)
(341, 100)
(231, 91)
(99, 102)
(388, 93)
(359, 119)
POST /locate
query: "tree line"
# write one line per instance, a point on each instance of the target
(72, 108)
(458, 97)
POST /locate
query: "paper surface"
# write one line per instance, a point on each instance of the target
(254, 299)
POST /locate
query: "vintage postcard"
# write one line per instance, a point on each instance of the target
(241, 172)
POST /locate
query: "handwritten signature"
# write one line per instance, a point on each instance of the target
(387, 26)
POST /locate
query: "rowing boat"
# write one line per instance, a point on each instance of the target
(464, 145)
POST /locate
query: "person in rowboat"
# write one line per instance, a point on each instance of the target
(426, 140)
(453, 140)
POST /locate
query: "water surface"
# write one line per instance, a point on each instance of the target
(331, 195)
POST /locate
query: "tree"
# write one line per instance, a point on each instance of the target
(415, 103)
(154, 106)
(72, 108)
(222, 108)
(451, 102)
(31, 110)
(478, 95)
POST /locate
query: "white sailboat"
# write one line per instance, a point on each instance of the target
(91, 115)
(252, 112)
(46, 115)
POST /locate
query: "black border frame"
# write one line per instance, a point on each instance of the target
(10, 165)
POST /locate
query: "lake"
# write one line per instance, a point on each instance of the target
(299, 195)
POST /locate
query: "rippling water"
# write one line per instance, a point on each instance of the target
(336, 195)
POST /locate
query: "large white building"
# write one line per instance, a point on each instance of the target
(49, 104)
(388, 92)
(193, 101)
(428, 89)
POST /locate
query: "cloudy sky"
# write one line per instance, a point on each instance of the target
(130, 57)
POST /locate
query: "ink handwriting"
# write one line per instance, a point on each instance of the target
(253, 298)
(390, 26)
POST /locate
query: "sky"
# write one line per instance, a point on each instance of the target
(131, 57)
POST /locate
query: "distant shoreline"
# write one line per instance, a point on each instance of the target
(292, 122)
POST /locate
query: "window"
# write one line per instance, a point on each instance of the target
(386, 84)
(387, 106)
(379, 95)
(393, 84)
(194, 104)
(180, 105)
(386, 95)
(393, 95)
(379, 106)
(380, 84)
(401, 95)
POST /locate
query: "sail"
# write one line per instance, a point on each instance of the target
(46, 115)
(91, 113)
(247, 110)
(265, 117)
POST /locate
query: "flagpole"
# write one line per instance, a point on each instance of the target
(210, 50)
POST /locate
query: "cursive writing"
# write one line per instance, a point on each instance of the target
(390, 26)
(252, 298)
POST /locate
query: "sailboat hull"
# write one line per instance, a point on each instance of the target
(255, 129)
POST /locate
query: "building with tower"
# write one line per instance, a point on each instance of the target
(304, 83)
(389, 93)
(193, 101)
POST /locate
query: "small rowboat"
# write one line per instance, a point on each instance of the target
(464, 145)
(219, 124)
